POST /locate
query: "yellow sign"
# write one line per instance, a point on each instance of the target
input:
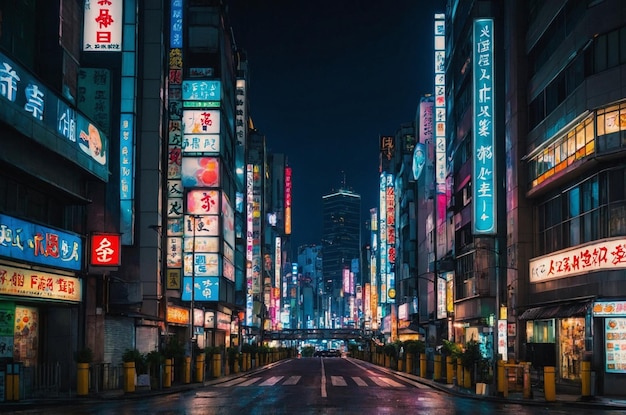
(29, 283)
(392, 293)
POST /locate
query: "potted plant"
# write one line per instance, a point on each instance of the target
(134, 363)
(154, 360)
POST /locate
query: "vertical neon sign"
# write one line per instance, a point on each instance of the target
(483, 174)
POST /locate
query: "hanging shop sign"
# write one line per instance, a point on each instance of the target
(45, 285)
(106, 250)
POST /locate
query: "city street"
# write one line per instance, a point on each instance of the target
(307, 386)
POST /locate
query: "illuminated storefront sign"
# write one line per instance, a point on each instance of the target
(390, 199)
(205, 289)
(203, 202)
(484, 151)
(200, 172)
(29, 242)
(440, 106)
(127, 176)
(74, 131)
(45, 285)
(177, 315)
(201, 122)
(202, 90)
(102, 28)
(382, 236)
(609, 254)
(288, 184)
(106, 250)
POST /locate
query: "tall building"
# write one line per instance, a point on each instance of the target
(341, 244)
(312, 281)
(535, 150)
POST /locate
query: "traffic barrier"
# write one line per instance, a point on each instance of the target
(549, 383)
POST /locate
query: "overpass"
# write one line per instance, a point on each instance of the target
(319, 334)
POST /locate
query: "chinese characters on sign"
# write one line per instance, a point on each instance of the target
(38, 244)
(605, 255)
(483, 174)
(29, 283)
(105, 250)
(102, 30)
(440, 105)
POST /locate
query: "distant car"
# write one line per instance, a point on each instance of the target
(334, 353)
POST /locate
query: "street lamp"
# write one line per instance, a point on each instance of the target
(192, 220)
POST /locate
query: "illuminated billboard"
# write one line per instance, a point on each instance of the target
(102, 26)
(483, 130)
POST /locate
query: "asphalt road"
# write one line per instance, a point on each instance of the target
(308, 386)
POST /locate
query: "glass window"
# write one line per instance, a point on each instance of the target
(613, 45)
(540, 331)
(573, 202)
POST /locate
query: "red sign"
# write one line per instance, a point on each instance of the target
(106, 250)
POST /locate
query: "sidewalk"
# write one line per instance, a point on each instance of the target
(566, 395)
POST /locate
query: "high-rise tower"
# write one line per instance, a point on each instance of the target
(341, 243)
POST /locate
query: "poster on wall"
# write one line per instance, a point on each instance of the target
(615, 344)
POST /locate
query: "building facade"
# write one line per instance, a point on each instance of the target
(341, 245)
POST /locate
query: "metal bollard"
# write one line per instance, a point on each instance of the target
(501, 373)
(437, 367)
(549, 383)
(449, 370)
(585, 377)
(423, 365)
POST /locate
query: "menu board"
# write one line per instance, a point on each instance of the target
(615, 338)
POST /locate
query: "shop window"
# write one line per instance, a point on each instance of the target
(572, 346)
(540, 331)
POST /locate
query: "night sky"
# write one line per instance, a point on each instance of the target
(327, 79)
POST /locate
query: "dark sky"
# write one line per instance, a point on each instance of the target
(327, 79)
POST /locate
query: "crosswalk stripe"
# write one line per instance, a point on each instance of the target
(359, 381)
(292, 380)
(338, 381)
(377, 380)
(272, 381)
(249, 382)
(392, 382)
(233, 382)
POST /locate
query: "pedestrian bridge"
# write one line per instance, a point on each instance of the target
(319, 334)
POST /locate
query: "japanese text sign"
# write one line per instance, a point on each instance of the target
(30, 283)
(26, 241)
(105, 250)
(484, 155)
(102, 28)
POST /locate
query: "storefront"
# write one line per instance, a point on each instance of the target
(610, 322)
(40, 296)
(555, 336)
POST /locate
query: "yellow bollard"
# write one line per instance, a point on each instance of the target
(437, 367)
(423, 365)
(585, 377)
(82, 379)
(408, 365)
(467, 378)
(200, 367)
(549, 383)
(129, 376)
(167, 375)
(459, 372)
(501, 378)
(527, 389)
(449, 370)
(217, 365)
(187, 370)
(400, 365)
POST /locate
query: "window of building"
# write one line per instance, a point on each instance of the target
(593, 209)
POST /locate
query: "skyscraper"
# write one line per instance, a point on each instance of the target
(341, 242)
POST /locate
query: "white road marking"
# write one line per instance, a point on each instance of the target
(234, 382)
(378, 380)
(271, 381)
(392, 382)
(359, 381)
(338, 381)
(292, 380)
(323, 386)
(249, 382)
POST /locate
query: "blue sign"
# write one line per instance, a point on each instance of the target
(38, 244)
(69, 129)
(484, 154)
(202, 90)
(204, 289)
(176, 24)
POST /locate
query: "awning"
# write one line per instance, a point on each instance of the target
(563, 310)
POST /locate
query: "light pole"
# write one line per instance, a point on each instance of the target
(193, 220)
